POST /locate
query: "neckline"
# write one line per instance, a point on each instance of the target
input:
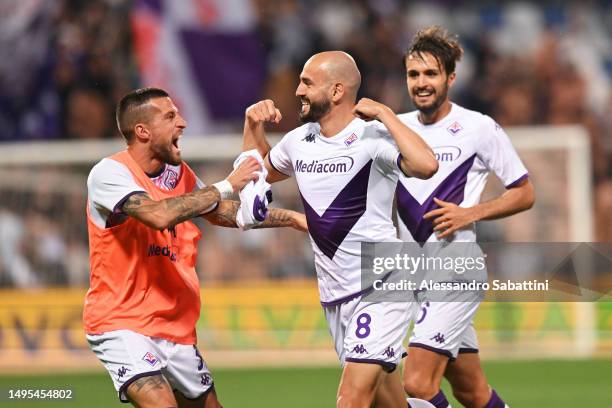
(157, 173)
(149, 179)
(341, 133)
(441, 122)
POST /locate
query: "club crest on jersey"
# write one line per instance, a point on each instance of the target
(170, 179)
(350, 140)
(455, 128)
(309, 138)
(150, 358)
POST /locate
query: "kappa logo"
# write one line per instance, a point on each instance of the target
(122, 371)
(455, 128)
(438, 337)
(359, 349)
(350, 140)
(310, 138)
(205, 379)
(389, 352)
(150, 358)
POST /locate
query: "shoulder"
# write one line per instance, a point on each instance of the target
(375, 132)
(301, 132)
(107, 169)
(482, 128)
(477, 119)
(409, 118)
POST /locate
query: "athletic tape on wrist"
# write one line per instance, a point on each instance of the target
(225, 189)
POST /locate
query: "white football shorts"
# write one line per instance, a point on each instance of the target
(128, 356)
(367, 332)
(445, 328)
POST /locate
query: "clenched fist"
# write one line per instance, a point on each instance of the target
(368, 109)
(263, 111)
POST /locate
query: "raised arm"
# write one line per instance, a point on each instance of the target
(418, 160)
(166, 213)
(254, 134)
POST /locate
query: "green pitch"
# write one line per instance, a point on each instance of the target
(541, 384)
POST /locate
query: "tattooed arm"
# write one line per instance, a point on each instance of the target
(171, 211)
(167, 213)
(225, 215)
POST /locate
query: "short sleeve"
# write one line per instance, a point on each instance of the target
(109, 185)
(382, 148)
(498, 154)
(280, 157)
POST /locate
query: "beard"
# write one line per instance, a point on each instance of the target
(166, 154)
(316, 111)
(429, 109)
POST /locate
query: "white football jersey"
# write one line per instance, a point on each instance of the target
(347, 183)
(468, 145)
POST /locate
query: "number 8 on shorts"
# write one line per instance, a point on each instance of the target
(363, 326)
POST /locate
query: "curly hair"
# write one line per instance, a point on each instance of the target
(435, 41)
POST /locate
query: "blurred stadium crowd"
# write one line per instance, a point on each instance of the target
(64, 64)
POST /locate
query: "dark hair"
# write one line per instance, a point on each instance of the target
(130, 109)
(434, 40)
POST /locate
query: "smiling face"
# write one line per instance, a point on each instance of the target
(314, 92)
(166, 126)
(427, 82)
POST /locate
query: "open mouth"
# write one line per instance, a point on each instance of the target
(424, 93)
(175, 143)
(305, 105)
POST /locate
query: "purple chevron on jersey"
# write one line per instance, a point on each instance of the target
(451, 190)
(329, 230)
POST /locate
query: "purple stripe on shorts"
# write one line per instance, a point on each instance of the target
(124, 387)
(468, 350)
(432, 349)
(387, 366)
(518, 181)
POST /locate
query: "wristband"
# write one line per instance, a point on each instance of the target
(225, 189)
